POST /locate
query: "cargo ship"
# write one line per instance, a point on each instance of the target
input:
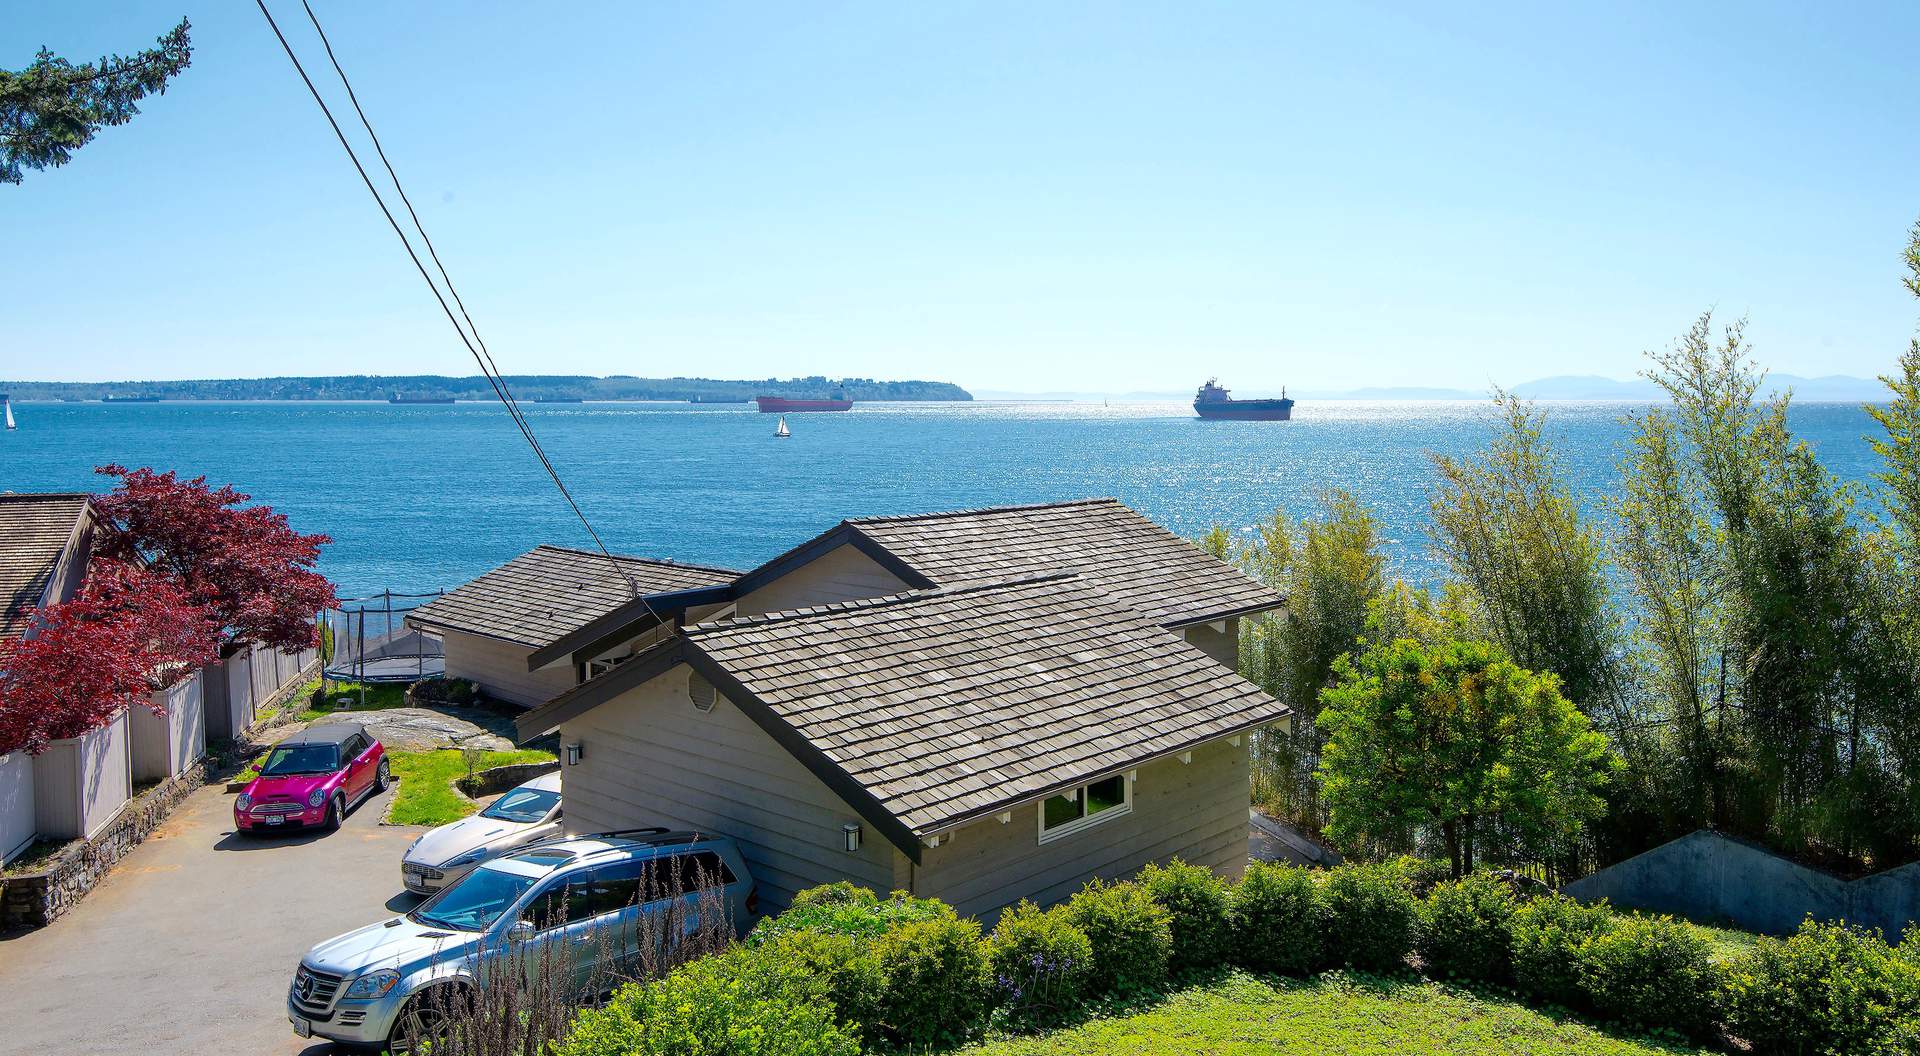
(397, 398)
(129, 399)
(1212, 401)
(784, 405)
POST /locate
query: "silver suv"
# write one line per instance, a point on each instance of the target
(556, 921)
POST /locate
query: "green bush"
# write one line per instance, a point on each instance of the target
(1041, 965)
(1422, 875)
(1276, 915)
(1196, 904)
(1131, 934)
(1652, 972)
(936, 981)
(737, 1003)
(854, 982)
(1827, 989)
(843, 909)
(1549, 939)
(1466, 930)
(1371, 917)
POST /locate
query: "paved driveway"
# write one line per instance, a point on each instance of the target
(188, 946)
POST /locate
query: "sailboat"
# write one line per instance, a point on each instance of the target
(779, 430)
(7, 401)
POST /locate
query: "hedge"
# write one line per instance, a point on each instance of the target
(845, 967)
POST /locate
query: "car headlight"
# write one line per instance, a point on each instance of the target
(243, 802)
(465, 859)
(316, 797)
(372, 985)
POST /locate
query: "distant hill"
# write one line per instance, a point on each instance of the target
(526, 388)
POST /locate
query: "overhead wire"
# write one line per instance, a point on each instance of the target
(475, 345)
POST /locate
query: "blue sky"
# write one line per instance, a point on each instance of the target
(1012, 196)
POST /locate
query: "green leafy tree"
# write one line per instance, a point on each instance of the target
(1511, 532)
(53, 108)
(1455, 740)
(1329, 567)
(1761, 666)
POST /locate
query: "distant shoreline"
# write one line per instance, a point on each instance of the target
(526, 388)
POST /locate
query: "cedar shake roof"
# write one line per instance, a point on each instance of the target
(1112, 547)
(34, 531)
(549, 591)
(948, 705)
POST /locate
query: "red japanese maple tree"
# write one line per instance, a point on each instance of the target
(244, 563)
(128, 632)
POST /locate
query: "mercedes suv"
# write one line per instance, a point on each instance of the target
(562, 919)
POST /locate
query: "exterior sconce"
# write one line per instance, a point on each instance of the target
(574, 754)
(850, 837)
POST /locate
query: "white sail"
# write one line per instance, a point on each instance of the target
(9, 404)
(781, 430)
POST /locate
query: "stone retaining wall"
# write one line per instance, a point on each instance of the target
(33, 899)
(501, 778)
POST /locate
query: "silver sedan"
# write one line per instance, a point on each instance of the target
(521, 815)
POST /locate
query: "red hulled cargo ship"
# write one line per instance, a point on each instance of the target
(784, 405)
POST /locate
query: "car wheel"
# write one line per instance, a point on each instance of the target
(335, 812)
(423, 1023)
(382, 777)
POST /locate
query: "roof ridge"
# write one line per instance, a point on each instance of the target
(882, 601)
(667, 561)
(979, 510)
(21, 496)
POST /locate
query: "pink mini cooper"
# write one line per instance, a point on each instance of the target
(313, 778)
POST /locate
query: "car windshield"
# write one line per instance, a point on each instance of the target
(522, 804)
(475, 902)
(301, 759)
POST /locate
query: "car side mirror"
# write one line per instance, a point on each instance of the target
(519, 931)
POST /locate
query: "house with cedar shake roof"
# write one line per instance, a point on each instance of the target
(979, 706)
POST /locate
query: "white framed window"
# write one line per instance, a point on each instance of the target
(602, 665)
(1090, 804)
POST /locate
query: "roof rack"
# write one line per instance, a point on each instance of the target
(651, 830)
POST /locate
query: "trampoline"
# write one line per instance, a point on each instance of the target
(372, 642)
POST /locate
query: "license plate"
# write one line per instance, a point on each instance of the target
(301, 1028)
(274, 819)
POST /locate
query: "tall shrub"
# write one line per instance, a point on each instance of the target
(936, 981)
(739, 1003)
(1277, 918)
(1827, 989)
(1466, 930)
(1041, 965)
(1550, 936)
(1196, 904)
(1131, 934)
(1370, 917)
(1652, 972)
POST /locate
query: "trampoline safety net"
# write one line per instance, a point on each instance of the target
(372, 642)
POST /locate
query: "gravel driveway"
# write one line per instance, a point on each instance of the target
(189, 944)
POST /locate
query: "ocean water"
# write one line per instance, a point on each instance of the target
(423, 498)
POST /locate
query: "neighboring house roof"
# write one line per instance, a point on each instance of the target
(1171, 581)
(549, 591)
(34, 531)
(931, 709)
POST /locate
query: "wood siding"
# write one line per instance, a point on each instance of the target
(649, 757)
(840, 574)
(1222, 646)
(500, 669)
(1196, 811)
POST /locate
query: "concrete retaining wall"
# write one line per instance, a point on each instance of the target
(1708, 877)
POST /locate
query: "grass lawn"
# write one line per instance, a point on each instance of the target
(1337, 1014)
(427, 795)
(380, 697)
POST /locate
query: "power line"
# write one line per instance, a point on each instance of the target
(482, 356)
